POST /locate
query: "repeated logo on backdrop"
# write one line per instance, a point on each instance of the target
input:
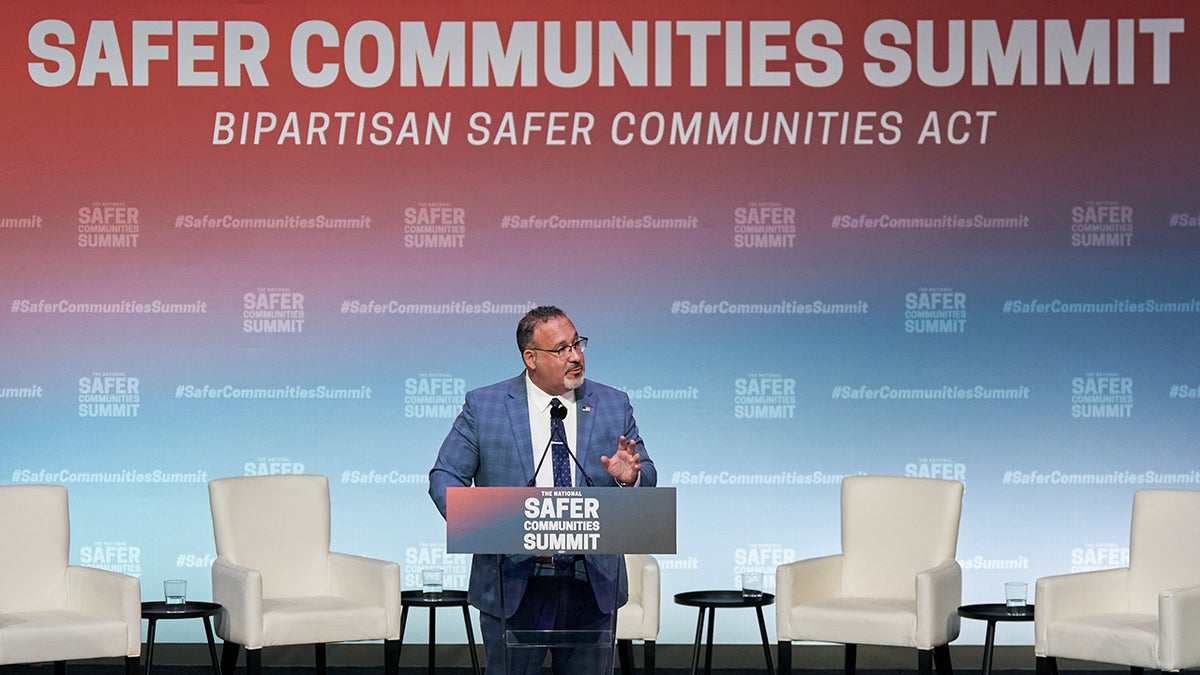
(114, 556)
(272, 466)
(456, 567)
(937, 467)
(764, 225)
(1102, 225)
(764, 396)
(1102, 395)
(109, 394)
(761, 558)
(1091, 557)
(435, 225)
(433, 396)
(272, 310)
(109, 225)
(935, 310)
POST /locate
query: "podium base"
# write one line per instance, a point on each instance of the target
(600, 640)
(530, 639)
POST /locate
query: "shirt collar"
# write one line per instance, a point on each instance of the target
(540, 400)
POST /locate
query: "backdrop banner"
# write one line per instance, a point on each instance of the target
(809, 239)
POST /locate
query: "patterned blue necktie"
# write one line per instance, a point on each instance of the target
(558, 439)
(561, 461)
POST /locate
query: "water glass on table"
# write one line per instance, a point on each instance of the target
(431, 581)
(175, 591)
(1015, 594)
(752, 585)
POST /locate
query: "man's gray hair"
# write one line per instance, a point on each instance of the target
(530, 321)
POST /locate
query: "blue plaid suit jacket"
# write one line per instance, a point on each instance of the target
(490, 445)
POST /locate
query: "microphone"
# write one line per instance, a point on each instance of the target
(559, 412)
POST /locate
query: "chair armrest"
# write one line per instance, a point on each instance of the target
(939, 594)
(802, 582)
(368, 581)
(109, 594)
(1178, 625)
(1080, 594)
(652, 594)
(239, 591)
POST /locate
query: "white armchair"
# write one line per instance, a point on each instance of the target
(278, 582)
(51, 610)
(638, 618)
(896, 581)
(1146, 615)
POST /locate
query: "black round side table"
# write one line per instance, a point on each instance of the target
(992, 612)
(153, 612)
(433, 601)
(711, 601)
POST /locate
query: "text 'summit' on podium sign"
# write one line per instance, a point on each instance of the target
(539, 521)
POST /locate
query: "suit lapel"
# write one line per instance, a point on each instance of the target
(585, 408)
(518, 418)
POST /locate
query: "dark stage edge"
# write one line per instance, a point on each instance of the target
(115, 669)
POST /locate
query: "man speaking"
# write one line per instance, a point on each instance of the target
(547, 427)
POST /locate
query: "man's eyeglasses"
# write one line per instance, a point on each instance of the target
(562, 353)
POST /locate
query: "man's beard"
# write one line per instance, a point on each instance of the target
(572, 382)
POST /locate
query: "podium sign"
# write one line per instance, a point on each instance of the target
(545, 521)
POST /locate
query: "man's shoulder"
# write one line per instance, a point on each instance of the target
(501, 388)
(595, 389)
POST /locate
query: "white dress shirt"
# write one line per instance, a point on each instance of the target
(539, 428)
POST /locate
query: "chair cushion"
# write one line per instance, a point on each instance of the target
(872, 621)
(312, 619)
(59, 635)
(1130, 639)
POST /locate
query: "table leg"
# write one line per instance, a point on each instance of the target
(149, 643)
(988, 643)
(212, 647)
(471, 640)
(432, 638)
(708, 647)
(762, 630)
(696, 644)
(403, 623)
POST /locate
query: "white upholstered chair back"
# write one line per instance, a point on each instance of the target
(34, 521)
(278, 525)
(1164, 545)
(894, 527)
